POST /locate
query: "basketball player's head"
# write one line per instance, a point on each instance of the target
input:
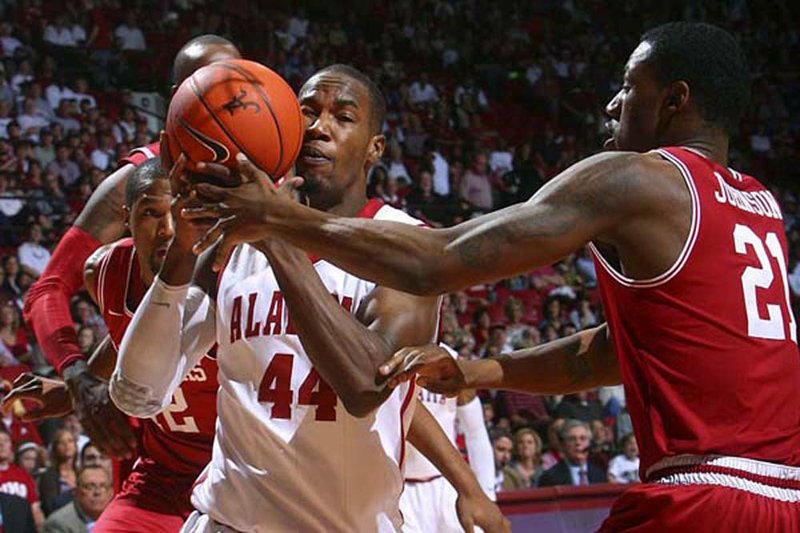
(684, 79)
(148, 215)
(199, 52)
(344, 113)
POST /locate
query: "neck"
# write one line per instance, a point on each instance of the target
(712, 143)
(350, 204)
(527, 463)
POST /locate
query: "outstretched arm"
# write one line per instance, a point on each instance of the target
(347, 349)
(585, 360)
(607, 197)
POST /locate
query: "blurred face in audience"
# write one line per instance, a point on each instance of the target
(502, 451)
(576, 445)
(64, 448)
(29, 460)
(92, 456)
(6, 450)
(94, 491)
(631, 448)
(527, 447)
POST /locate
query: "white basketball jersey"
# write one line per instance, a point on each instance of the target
(287, 456)
(443, 409)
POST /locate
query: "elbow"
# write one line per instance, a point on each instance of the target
(361, 404)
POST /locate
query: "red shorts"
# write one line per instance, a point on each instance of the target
(711, 494)
(152, 498)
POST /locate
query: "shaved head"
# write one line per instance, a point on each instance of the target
(202, 51)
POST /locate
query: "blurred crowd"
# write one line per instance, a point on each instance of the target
(487, 101)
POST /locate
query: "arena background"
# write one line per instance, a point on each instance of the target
(487, 101)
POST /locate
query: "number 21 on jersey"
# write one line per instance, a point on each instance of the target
(276, 388)
(773, 327)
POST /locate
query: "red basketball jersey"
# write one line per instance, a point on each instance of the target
(708, 350)
(180, 437)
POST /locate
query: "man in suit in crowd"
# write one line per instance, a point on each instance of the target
(574, 468)
(92, 495)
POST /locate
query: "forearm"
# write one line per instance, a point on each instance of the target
(156, 353)
(343, 350)
(479, 448)
(427, 436)
(581, 361)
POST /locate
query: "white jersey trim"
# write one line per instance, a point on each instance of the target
(751, 466)
(733, 482)
(688, 246)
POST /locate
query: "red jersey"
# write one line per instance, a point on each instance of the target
(708, 350)
(178, 439)
(16, 481)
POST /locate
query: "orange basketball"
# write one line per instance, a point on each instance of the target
(236, 106)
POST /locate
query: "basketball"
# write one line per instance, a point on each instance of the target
(235, 106)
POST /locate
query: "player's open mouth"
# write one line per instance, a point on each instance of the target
(313, 156)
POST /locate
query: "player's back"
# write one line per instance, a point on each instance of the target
(288, 456)
(708, 350)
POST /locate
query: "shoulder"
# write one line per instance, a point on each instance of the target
(97, 263)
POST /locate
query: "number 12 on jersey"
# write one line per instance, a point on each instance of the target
(753, 278)
(276, 388)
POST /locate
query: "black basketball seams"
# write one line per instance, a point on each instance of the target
(199, 95)
(265, 98)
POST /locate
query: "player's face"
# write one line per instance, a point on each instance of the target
(634, 113)
(339, 145)
(151, 225)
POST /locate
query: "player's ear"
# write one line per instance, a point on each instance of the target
(676, 97)
(375, 151)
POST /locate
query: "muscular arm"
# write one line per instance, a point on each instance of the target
(585, 360)
(469, 414)
(47, 302)
(346, 350)
(604, 197)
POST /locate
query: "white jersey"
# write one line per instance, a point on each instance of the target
(443, 409)
(287, 456)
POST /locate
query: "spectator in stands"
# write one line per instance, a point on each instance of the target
(57, 484)
(8, 43)
(32, 255)
(125, 127)
(624, 468)
(514, 310)
(553, 454)
(91, 455)
(128, 34)
(45, 151)
(503, 446)
(65, 115)
(583, 316)
(73, 425)
(31, 458)
(13, 336)
(602, 444)
(476, 188)
(574, 468)
(13, 277)
(14, 480)
(422, 92)
(103, 157)
(86, 340)
(31, 122)
(92, 495)
(423, 202)
(23, 75)
(525, 469)
(66, 169)
(58, 33)
(580, 406)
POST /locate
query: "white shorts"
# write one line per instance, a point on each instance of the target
(202, 523)
(429, 507)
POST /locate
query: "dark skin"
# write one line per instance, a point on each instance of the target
(103, 218)
(339, 146)
(634, 206)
